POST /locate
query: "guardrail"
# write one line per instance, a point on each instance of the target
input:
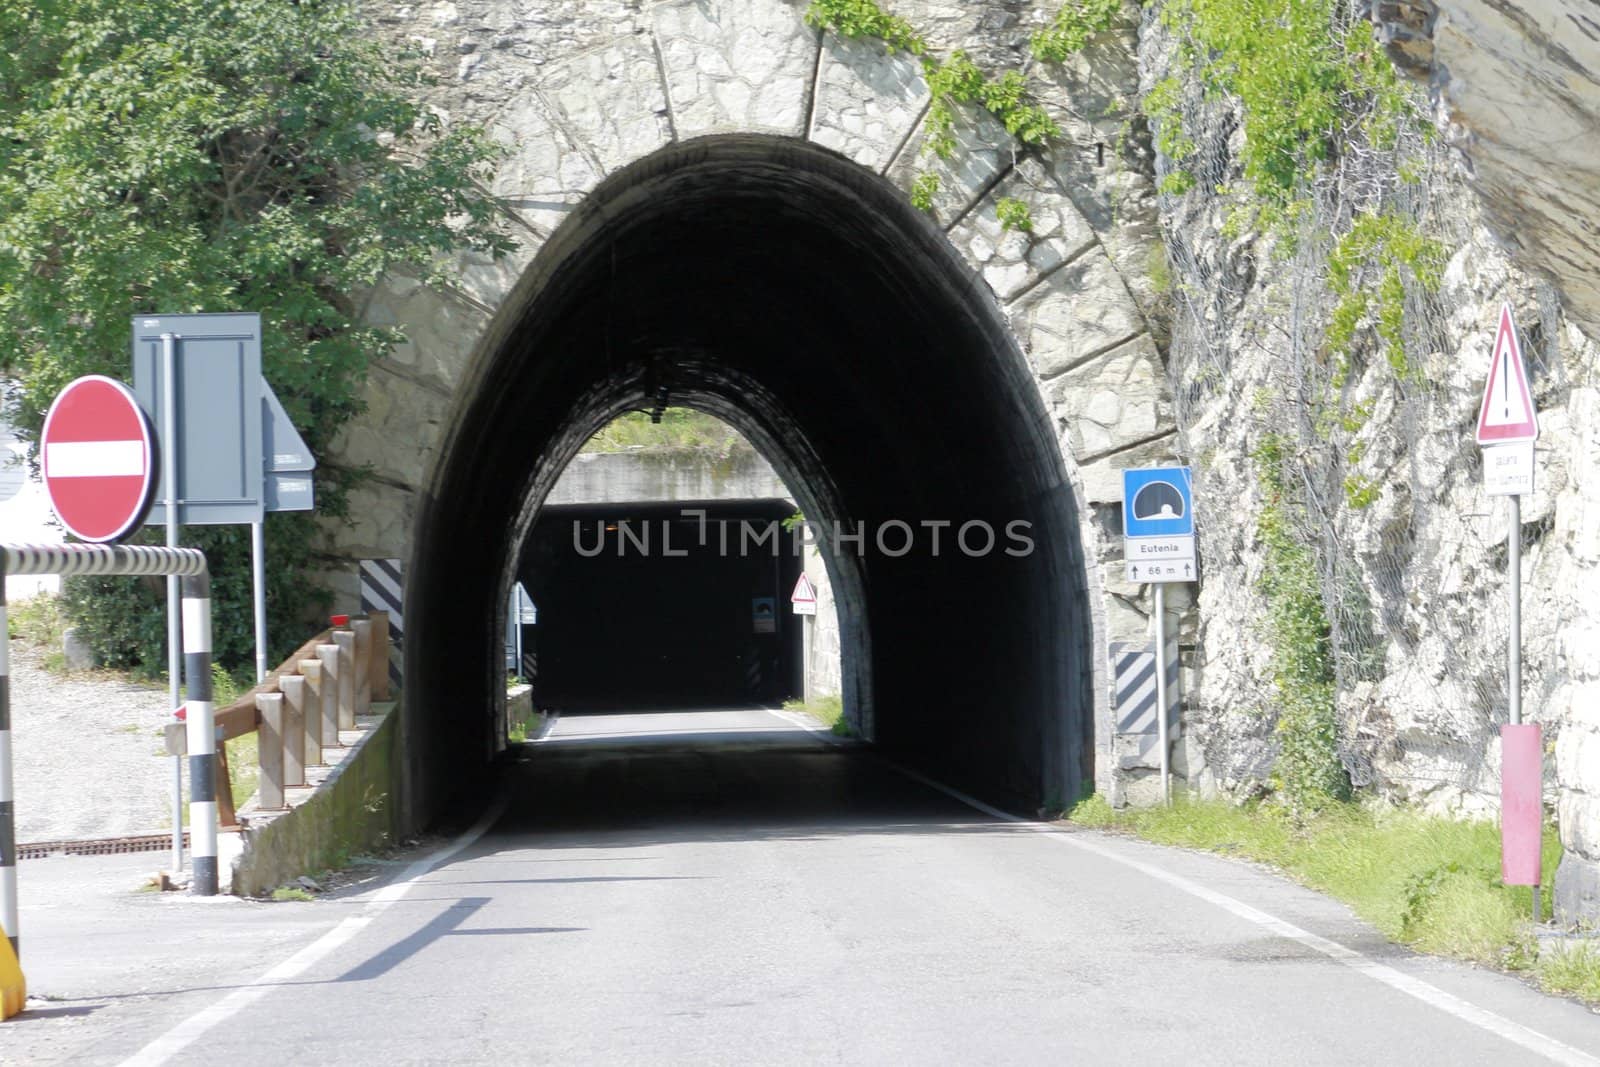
(297, 711)
(190, 565)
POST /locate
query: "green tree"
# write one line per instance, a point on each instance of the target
(216, 155)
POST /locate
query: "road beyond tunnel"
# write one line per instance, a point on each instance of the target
(800, 299)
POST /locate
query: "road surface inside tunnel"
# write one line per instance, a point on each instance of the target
(739, 887)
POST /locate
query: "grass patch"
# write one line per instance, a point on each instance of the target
(1425, 881)
(1572, 971)
(827, 709)
(290, 892)
(37, 620)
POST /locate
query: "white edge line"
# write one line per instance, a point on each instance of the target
(1429, 994)
(190, 1030)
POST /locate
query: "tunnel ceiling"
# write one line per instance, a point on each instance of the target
(787, 291)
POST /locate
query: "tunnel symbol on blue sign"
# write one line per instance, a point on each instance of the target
(1157, 502)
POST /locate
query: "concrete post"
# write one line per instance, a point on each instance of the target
(363, 666)
(8, 835)
(303, 704)
(328, 687)
(345, 641)
(380, 654)
(269, 739)
(294, 741)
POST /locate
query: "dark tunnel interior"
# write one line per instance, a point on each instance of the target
(670, 605)
(798, 297)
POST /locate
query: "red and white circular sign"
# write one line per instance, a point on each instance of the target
(98, 459)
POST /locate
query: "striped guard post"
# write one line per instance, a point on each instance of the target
(383, 589)
(201, 732)
(8, 826)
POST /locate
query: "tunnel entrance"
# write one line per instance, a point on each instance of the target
(799, 298)
(640, 609)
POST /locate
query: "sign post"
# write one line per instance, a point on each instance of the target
(1157, 548)
(1508, 425)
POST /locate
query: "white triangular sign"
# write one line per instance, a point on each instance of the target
(1507, 412)
(804, 592)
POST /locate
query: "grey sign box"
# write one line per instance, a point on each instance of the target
(219, 413)
(290, 491)
(285, 450)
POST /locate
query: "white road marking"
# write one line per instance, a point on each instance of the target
(186, 1033)
(1432, 995)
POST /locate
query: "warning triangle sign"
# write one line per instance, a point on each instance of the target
(804, 592)
(1507, 413)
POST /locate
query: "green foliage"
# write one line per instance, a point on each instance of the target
(951, 82)
(291, 892)
(1308, 769)
(1394, 248)
(923, 190)
(1072, 28)
(680, 429)
(37, 620)
(208, 155)
(1428, 881)
(790, 522)
(827, 709)
(864, 18)
(1299, 74)
(1014, 214)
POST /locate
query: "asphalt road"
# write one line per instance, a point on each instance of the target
(730, 888)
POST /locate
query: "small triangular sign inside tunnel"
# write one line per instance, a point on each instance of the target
(804, 592)
(1507, 412)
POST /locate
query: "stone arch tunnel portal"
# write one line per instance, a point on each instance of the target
(801, 299)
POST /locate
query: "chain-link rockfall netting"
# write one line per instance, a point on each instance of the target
(1327, 392)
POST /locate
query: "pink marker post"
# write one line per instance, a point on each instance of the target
(1521, 807)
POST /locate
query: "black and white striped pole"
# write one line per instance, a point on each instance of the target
(201, 733)
(73, 560)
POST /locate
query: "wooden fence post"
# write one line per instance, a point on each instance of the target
(294, 737)
(269, 739)
(345, 641)
(363, 666)
(329, 657)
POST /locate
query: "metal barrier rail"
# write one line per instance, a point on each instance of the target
(71, 560)
(297, 711)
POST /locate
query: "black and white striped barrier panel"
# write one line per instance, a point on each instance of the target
(1133, 668)
(382, 589)
(74, 560)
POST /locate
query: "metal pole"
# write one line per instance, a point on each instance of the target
(201, 733)
(8, 828)
(1514, 639)
(258, 590)
(1161, 693)
(169, 484)
(1514, 642)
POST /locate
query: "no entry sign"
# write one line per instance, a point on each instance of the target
(98, 459)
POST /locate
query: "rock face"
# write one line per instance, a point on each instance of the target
(1410, 553)
(1518, 85)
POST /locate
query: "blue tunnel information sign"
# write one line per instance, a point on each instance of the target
(1158, 524)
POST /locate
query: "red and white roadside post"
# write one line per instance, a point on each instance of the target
(1508, 425)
